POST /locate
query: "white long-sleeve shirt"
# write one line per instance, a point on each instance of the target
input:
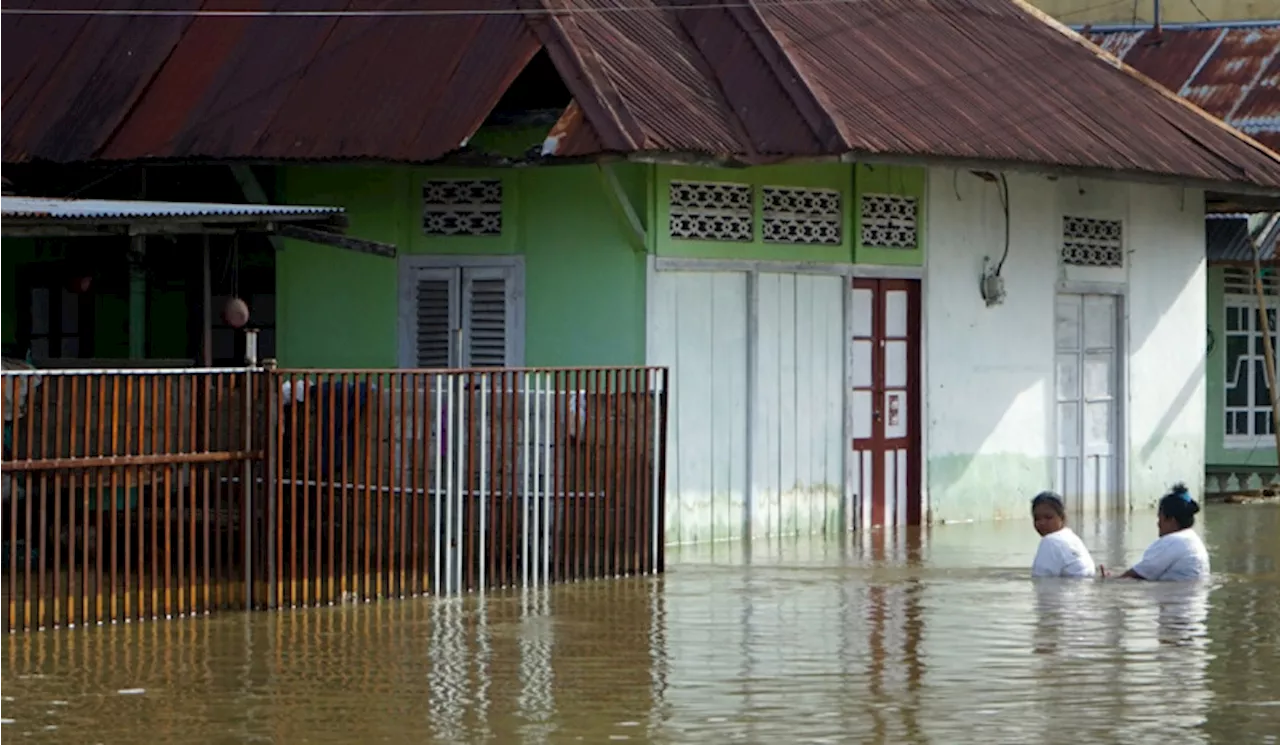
(1175, 556)
(1062, 554)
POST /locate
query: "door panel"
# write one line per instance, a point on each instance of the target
(885, 369)
(1086, 386)
(797, 412)
(698, 327)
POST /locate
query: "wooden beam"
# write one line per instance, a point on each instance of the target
(253, 191)
(618, 196)
(311, 235)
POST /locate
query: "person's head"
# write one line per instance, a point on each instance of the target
(1048, 512)
(1177, 510)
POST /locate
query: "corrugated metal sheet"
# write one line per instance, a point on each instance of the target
(82, 88)
(971, 80)
(1231, 71)
(1227, 240)
(963, 79)
(108, 209)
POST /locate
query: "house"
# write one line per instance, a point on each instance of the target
(901, 263)
(1229, 70)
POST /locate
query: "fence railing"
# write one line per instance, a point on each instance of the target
(144, 494)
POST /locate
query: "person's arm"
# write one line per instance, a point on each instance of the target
(1076, 568)
(1155, 561)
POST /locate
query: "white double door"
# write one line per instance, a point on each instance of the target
(757, 407)
(1087, 386)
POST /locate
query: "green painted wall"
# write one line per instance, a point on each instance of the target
(337, 308)
(584, 264)
(851, 181)
(584, 281)
(1264, 456)
(885, 179)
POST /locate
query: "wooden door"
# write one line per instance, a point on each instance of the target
(885, 411)
(1086, 384)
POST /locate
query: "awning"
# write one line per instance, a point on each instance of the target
(51, 217)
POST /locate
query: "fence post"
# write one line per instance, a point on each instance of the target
(661, 491)
(271, 475)
(247, 521)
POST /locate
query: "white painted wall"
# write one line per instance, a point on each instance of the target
(990, 428)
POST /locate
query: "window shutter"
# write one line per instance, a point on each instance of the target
(435, 319)
(486, 318)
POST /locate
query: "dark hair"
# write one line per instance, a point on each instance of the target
(1053, 500)
(1179, 505)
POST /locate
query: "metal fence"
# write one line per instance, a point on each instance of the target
(144, 494)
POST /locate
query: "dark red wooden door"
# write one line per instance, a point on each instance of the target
(885, 365)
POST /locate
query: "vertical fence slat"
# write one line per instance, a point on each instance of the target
(15, 392)
(660, 477)
(351, 421)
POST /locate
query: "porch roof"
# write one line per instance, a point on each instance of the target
(48, 216)
(1227, 240)
(992, 82)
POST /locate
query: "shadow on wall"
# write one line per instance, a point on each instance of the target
(991, 379)
(989, 369)
(1166, 322)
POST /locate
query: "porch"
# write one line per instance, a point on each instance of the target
(138, 494)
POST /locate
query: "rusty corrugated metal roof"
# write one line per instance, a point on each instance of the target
(1230, 70)
(275, 88)
(985, 80)
(965, 80)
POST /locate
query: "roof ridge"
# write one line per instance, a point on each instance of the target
(1134, 73)
(603, 108)
(775, 55)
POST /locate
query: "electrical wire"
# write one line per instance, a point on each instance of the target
(420, 12)
(1003, 188)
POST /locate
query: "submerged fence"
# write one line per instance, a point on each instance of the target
(142, 494)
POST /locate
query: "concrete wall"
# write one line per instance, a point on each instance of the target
(990, 433)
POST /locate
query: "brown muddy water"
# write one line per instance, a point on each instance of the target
(937, 638)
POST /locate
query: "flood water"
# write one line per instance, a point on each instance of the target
(937, 638)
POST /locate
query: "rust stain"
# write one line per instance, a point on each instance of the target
(984, 80)
(1229, 71)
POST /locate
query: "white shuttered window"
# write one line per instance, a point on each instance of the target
(459, 316)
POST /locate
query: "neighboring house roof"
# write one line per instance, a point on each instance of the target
(1231, 70)
(968, 81)
(1227, 240)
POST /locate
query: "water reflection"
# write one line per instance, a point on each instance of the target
(934, 637)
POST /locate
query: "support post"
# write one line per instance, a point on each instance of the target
(206, 305)
(137, 298)
(1268, 350)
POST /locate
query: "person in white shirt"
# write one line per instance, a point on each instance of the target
(1178, 554)
(1061, 552)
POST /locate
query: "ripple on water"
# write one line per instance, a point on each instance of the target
(802, 641)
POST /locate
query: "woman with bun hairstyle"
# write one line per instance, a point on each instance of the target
(1178, 554)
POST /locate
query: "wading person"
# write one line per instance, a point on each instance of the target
(1178, 554)
(1061, 552)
